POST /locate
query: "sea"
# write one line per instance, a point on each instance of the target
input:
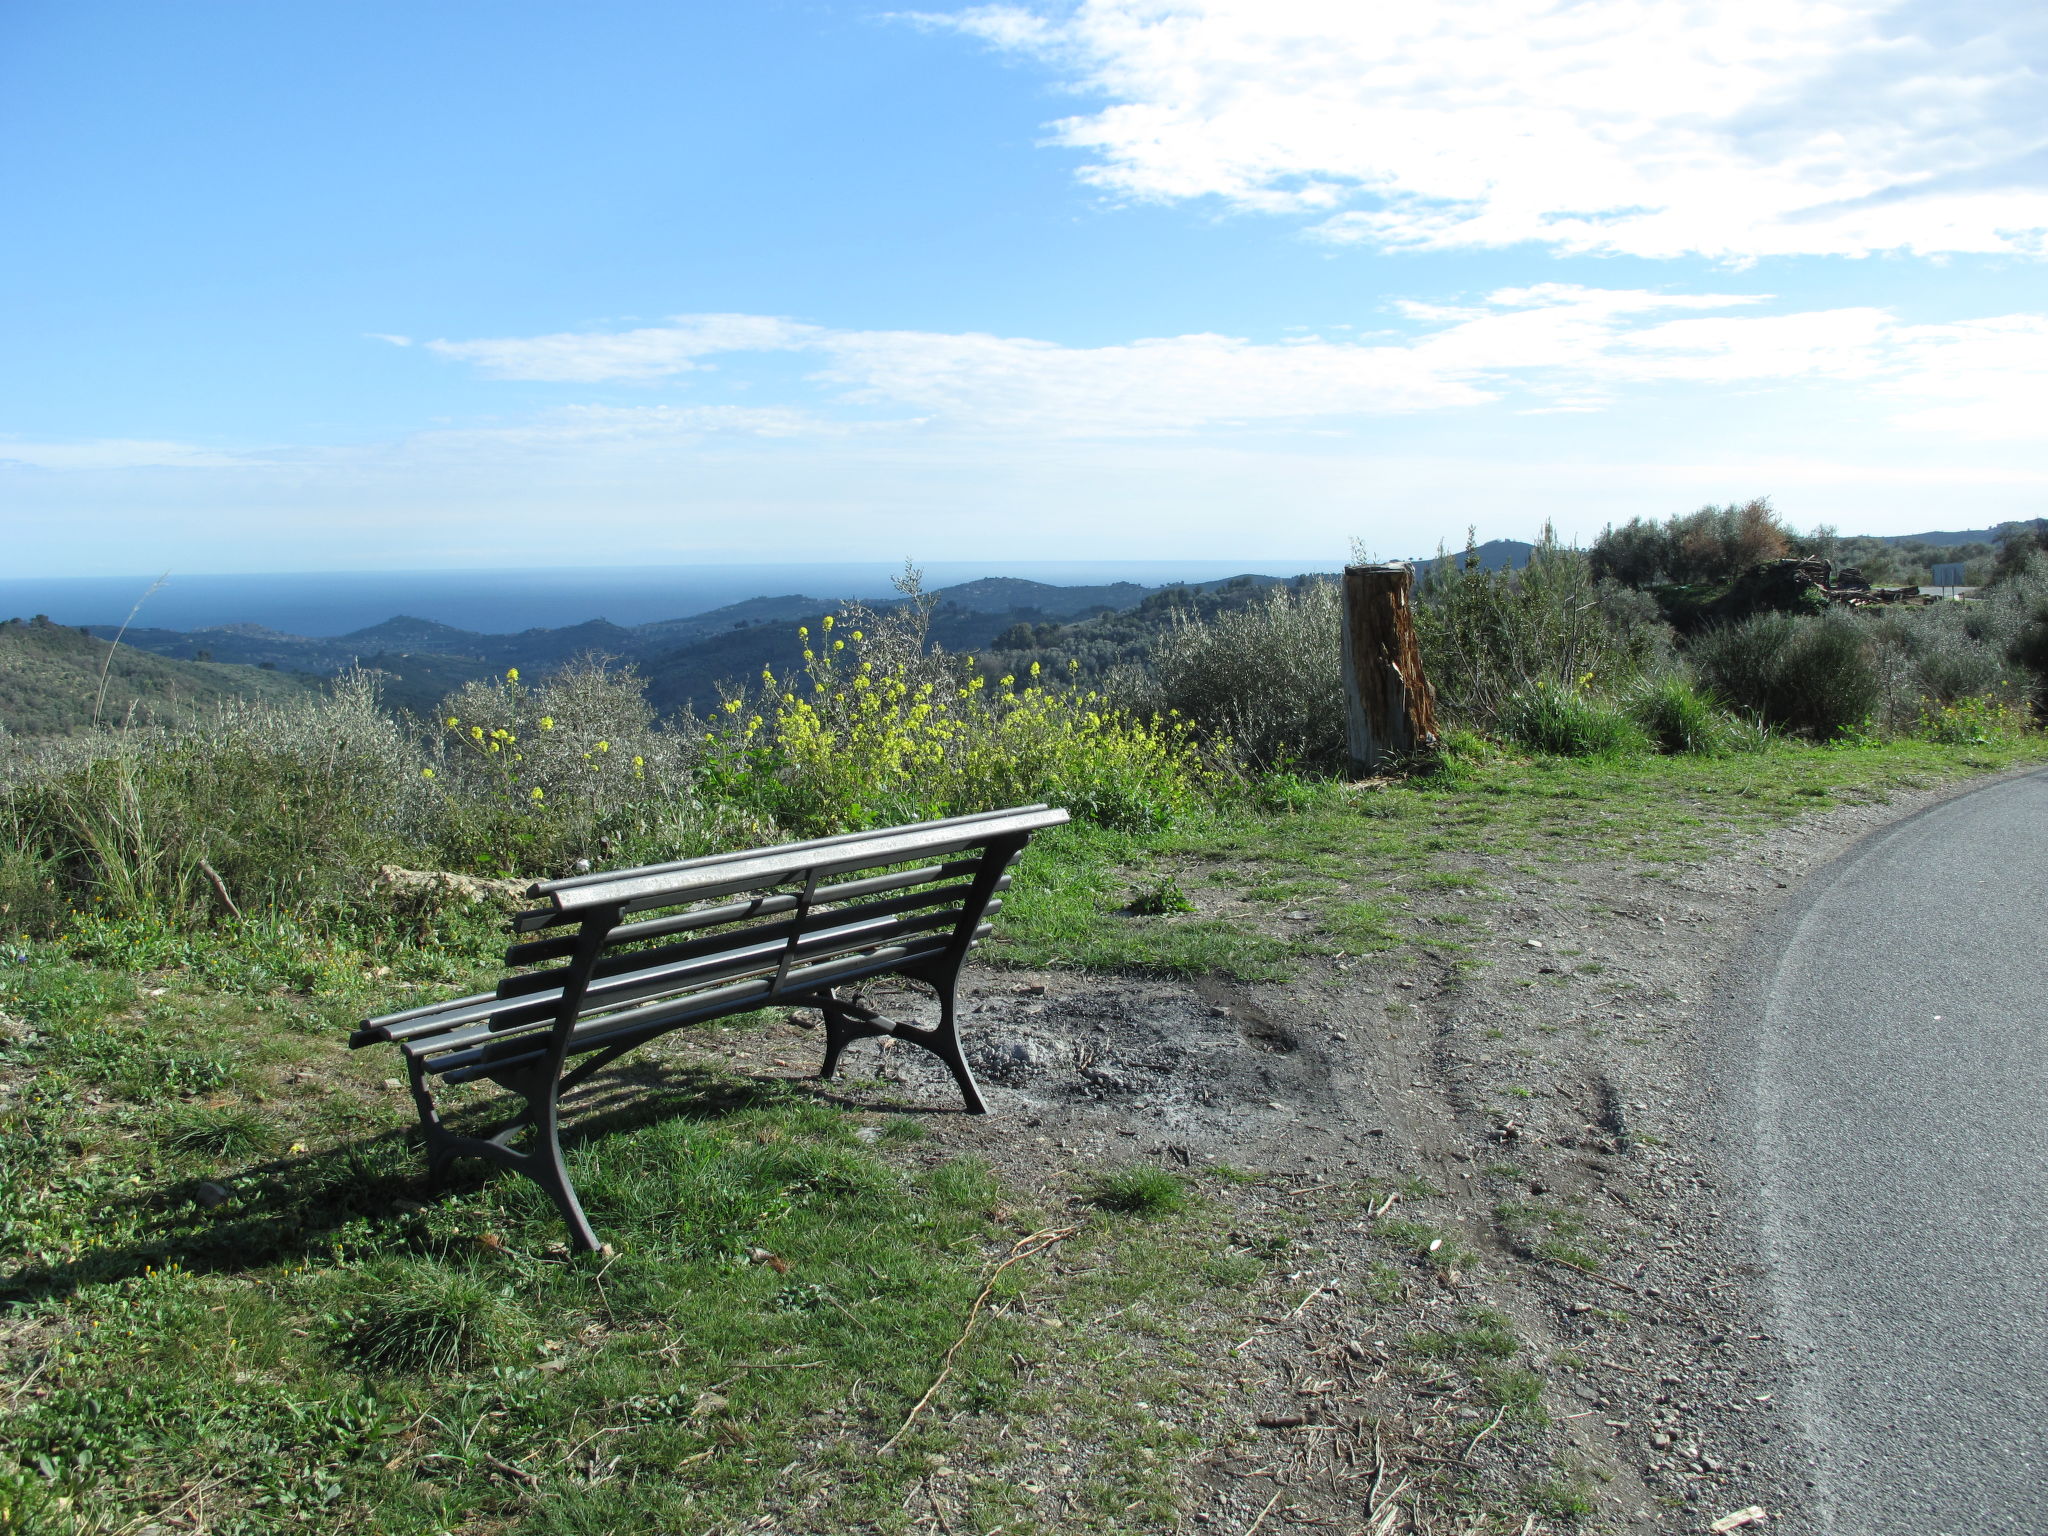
(324, 603)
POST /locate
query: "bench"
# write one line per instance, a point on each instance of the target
(623, 957)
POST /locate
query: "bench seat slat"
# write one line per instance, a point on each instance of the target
(536, 1013)
(655, 1018)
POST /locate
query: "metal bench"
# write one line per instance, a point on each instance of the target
(708, 938)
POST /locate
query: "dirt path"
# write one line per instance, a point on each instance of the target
(1542, 1104)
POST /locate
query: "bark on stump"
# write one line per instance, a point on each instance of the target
(1390, 709)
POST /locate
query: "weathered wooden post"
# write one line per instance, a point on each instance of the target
(1390, 709)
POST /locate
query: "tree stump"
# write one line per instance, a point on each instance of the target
(1390, 709)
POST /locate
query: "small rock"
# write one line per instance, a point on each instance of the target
(1535, 943)
(392, 1082)
(210, 1195)
(1297, 917)
(868, 1133)
(1033, 989)
(707, 1402)
(1274, 1104)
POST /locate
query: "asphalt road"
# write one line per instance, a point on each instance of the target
(1901, 1067)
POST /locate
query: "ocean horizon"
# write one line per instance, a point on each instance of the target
(327, 603)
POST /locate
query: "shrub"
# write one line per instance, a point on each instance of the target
(1565, 723)
(257, 809)
(1491, 636)
(847, 741)
(1268, 678)
(1817, 676)
(529, 780)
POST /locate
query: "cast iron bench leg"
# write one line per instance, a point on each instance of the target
(848, 1022)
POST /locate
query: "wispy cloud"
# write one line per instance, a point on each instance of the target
(653, 352)
(1656, 128)
(1545, 347)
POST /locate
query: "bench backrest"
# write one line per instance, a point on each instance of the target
(724, 934)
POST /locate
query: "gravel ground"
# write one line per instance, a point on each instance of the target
(1552, 1098)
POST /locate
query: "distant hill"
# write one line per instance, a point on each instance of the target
(50, 678)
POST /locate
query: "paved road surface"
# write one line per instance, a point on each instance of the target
(1903, 1162)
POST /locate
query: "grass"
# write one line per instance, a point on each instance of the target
(325, 1348)
(215, 1258)
(1332, 858)
(1139, 1191)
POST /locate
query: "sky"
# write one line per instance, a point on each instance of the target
(493, 283)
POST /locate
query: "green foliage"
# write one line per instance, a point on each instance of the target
(1709, 547)
(1160, 897)
(875, 730)
(1681, 719)
(1814, 676)
(1567, 723)
(1489, 637)
(261, 808)
(425, 1315)
(1267, 678)
(1139, 1190)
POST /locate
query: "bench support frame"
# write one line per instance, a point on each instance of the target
(543, 1083)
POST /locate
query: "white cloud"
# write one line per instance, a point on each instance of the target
(1549, 347)
(1737, 129)
(116, 453)
(653, 352)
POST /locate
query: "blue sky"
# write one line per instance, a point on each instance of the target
(465, 285)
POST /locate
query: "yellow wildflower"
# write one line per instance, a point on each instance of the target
(453, 722)
(511, 674)
(828, 621)
(604, 746)
(539, 795)
(426, 773)
(547, 722)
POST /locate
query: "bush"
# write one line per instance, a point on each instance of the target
(1816, 676)
(1268, 679)
(848, 741)
(1489, 637)
(1565, 723)
(258, 809)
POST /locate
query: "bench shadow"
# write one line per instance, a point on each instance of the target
(291, 1207)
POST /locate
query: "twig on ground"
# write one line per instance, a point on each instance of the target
(1024, 1248)
(184, 1498)
(1252, 1529)
(1491, 1426)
